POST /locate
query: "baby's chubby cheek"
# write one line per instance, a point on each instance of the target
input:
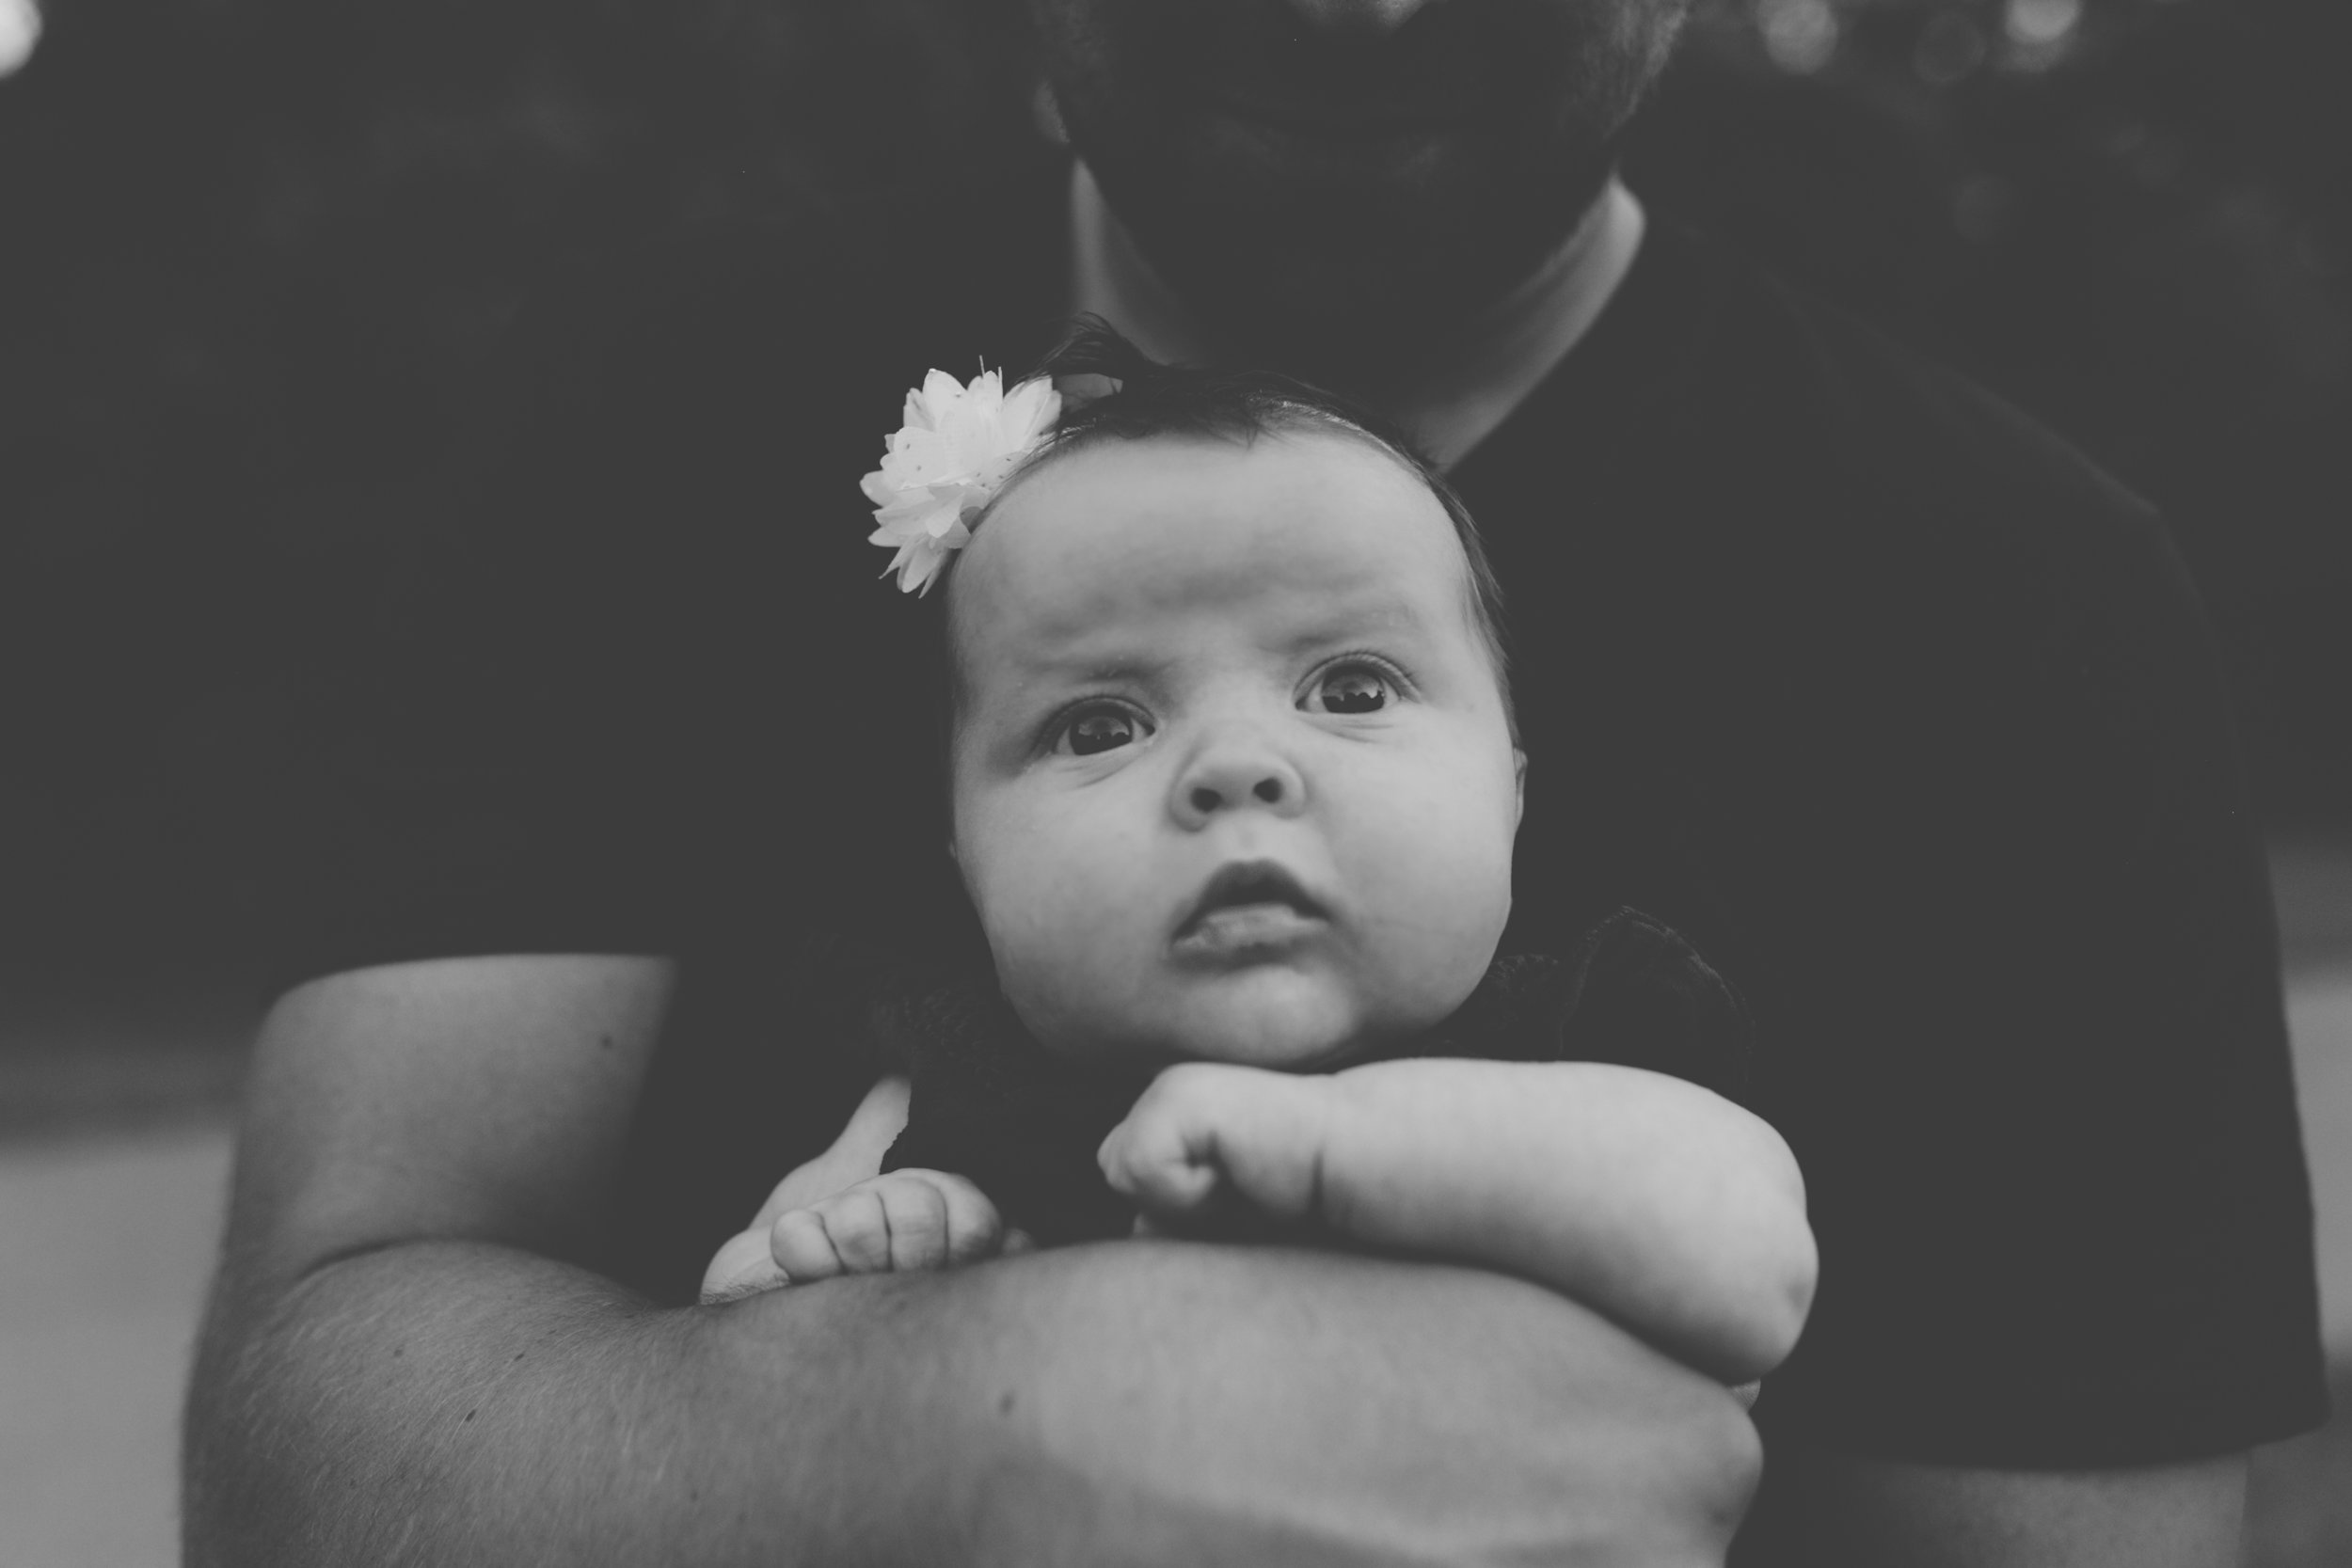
(1084, 950)
(1078, 941)
(1422, 944)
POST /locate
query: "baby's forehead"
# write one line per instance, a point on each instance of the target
(1121, 528)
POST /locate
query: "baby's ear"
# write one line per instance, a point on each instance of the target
(1518, 787)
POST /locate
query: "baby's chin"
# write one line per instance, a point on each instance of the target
(1273, 1019)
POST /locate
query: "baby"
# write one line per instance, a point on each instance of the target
(1234, 786)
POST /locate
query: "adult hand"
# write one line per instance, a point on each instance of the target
(1177, 1403)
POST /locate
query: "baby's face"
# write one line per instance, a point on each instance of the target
(1233, 776)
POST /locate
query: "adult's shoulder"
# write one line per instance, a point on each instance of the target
(1942, 449)
(1985, 559)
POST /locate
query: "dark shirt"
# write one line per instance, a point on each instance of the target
(1904, 712)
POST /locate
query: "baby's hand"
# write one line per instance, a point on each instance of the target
(899, 1220)
(1208, 1136)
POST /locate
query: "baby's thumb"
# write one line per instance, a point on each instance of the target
(742, 1267)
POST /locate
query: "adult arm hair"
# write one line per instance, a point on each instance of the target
(403, 1361)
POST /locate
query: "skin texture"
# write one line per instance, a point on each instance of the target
(1132, 595)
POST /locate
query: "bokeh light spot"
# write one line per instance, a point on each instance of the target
(19, 29)
(2039, 23)
(1800, 35)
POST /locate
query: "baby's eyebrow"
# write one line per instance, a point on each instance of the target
(1384, 615)
(1078, 667)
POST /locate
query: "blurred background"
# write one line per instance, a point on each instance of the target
(256, 256)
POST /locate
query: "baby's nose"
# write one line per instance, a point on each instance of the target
(1208, 798)
(1238, 773)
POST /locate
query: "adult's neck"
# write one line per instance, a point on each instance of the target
(1450, 396)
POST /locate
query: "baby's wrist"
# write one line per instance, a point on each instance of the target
(1297, 1122)
(1270, 1112)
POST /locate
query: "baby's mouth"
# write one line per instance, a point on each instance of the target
(1249, 907)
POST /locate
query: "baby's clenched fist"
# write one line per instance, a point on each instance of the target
(1209, 1140)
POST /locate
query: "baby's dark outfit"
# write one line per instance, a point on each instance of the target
(994, 1106)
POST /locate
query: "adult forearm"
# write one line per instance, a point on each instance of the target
(458, 1403)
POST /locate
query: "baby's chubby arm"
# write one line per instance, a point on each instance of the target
(1642, 1196)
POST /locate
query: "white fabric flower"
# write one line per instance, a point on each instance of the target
(958, 447)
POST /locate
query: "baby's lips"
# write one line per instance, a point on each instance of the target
(1237, 931)
(1249, 885)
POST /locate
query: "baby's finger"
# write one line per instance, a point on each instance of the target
(860, 1229)
(974, 1228)
(916, 1214)
(798, 1243)
(741, 1268)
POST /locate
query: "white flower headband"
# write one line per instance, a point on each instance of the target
(946, 462)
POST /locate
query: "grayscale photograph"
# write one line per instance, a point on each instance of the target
(1050, 784)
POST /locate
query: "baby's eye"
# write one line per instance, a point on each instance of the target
(1351, 689)
(1100, 729)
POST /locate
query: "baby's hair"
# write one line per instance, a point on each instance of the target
(1148, 399)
